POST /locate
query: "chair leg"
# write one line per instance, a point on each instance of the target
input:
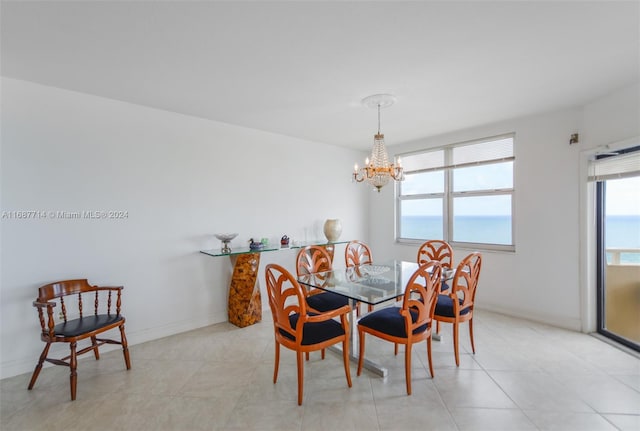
(306, 356)
(370, 308)
(361, 358)
(437, 326)
(407, 366)
(345, 358)
(125, 347)
(300, 376)
(395, 349)
(429, 356)
(73, 365)
(455, 343)
(276, 365)
(473, 347)
(322, 353)
(94, 343)
(36, 372)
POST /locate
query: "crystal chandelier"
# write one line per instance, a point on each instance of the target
(378, 171)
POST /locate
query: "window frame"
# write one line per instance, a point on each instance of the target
(448, 195)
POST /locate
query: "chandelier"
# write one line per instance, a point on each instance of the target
(377, 171)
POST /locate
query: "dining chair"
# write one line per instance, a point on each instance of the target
(299, 330)
(358, 253)
(86, 325)
(435, 249)
(457, 306)
(409, 324)
(314, 259)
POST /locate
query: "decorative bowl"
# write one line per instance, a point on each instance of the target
(226, 236)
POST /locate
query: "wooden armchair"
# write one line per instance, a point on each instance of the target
(297, 329)
(85, 325)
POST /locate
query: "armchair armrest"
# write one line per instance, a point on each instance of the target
(39, 304)
(108, 287)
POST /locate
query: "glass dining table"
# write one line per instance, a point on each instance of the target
(372, 284)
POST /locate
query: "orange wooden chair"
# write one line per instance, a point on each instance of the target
(297, 329)
(435, 249)
(457, 306)
(104, 318)
(314, 259)
(410, 323)
(358, 253)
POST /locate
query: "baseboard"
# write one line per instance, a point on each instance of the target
(564, 322)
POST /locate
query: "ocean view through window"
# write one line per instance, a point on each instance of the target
(461, 193)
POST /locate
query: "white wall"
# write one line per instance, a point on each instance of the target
(544, 279)
(540, 279)
(180, 178)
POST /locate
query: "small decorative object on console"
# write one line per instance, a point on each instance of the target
(332, 229)
(226, 239)
(255, 245)
(284, 241)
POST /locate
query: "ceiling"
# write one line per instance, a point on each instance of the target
(302, 68)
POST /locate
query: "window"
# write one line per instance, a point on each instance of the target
(461, 193)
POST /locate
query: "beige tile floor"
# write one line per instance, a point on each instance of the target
(524, 376)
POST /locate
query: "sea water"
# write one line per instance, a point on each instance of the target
(621, 231)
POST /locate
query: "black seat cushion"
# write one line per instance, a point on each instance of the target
(80, 326)
(444, 306)
(327, 301)
(390, 321)
(315, 332)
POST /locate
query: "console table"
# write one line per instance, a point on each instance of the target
(245, 304)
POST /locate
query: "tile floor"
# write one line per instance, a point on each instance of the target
(524, 376)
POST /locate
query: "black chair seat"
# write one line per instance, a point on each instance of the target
(86, 324)
(444, 306)
(327, 301)
(315, 332)
(389, 321)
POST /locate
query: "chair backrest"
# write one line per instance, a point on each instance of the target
(59, 290)
(357, 253)
(421, 294)
(465, 280)
(312, 259)
(436, 250)
(286, 298)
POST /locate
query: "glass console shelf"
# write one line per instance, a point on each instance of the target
(246, 250)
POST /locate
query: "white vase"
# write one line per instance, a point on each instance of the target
(332, 229)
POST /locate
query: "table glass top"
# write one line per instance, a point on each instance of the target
(371, 284)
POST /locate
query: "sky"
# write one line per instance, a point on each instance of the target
(623, 196)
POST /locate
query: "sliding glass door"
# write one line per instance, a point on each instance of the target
(618, 225)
